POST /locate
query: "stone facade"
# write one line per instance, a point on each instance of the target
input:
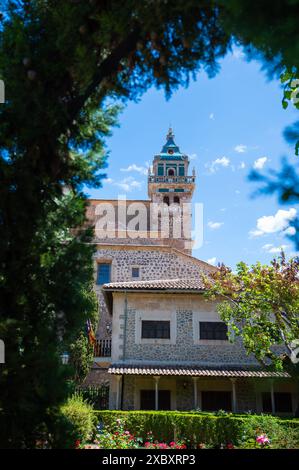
(184, 313)
(155, 262)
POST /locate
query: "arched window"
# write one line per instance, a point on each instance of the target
(171, 172)
(166, 200)
(176, 200)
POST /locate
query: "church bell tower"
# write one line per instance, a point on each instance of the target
(169, 182)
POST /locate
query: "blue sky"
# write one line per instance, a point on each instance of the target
(228, 125)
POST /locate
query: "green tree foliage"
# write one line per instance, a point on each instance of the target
(266, 30)
(46, 298)
(260, 303)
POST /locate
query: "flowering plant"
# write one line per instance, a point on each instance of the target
(164, 445)
(263, 440)
(118, 438)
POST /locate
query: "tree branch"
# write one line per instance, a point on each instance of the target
(108, 67)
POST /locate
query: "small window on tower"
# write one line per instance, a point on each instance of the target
(181, 170)
(166, 200)
(176, 200)
(170, 152)
(160, 170)
(171, 172)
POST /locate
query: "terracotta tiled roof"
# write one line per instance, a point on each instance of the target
(193, 371)
(159, 284)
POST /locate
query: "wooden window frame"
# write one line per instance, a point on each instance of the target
(155, 334)
(204, 334)
(98, 273)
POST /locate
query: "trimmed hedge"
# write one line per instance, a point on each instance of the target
(196, 427)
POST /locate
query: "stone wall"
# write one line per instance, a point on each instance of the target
(96, 377)
(115, 221)
(246, 395)
(184, 394)
(128, 392)
(154, 262)
(186, 348)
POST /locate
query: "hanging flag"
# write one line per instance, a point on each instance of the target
(90, 332)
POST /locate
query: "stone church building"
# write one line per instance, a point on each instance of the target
(160, 343)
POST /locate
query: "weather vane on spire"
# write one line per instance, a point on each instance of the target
(170, 132)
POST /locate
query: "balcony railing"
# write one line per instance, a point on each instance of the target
(171, 179)
(102, 348)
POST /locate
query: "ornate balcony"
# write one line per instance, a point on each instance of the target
(171, 179)
(102, 348)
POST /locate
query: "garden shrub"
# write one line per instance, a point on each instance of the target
(208, 428)
(282, 433)
(78, 418)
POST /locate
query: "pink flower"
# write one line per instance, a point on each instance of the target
(263, 439)
(162, 445)
(230, 445)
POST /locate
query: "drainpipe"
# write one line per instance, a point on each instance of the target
(124, 348)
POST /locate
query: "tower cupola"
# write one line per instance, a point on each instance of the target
(169, 180)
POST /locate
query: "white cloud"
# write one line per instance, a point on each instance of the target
(215, 164)
(260, 163)
(223, 161)
(193, 156)
(270, 248)
(211, 116)
(128, 184)
(214, 225)
(237, 53)
(133, 167)
(242, 166)
(212, 260)
(290, 231)
(241, 148)
(275, 223)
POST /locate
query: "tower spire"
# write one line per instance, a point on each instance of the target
(170, 147)
(170, 133)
